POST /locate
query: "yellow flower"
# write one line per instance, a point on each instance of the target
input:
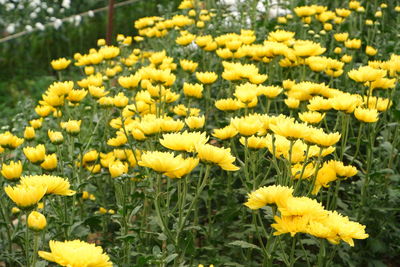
(90, 157)
(341, 37)
(11, 171)
(269, 91)
(370, 51)
(319, 103)
(228, 104)
(353, 43)
(36, 221)
(117, 168)
(60, 64)
(195, 122)
(35, 154)
(305, 48)
(246, 93)
(193, 90)
(292, 102)
(163, 162)
(15, 210)
(188, 65)
(29, 133)
(218, 155)
(274, 194)
(206, 77)
(311, 117)
(97, 92)
(345, 102)
(26, 196)
(225, 133)
(36, 124)
(290, 224)
(76, 96)
(248, 125)
(366, 115)
(290, 129)
(76, 253)
(120, 100)
(43, 111)
(319, 137)
(185, 141)
(186, 166)
(9, 140)
(254, 142)
(53, 184)
(50, 162)
(55, 137)
(71, 126)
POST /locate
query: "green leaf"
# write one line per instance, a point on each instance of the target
(244, 244)
(170, 258)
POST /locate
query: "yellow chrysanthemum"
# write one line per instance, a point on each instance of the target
(76, 253)
(54, 184)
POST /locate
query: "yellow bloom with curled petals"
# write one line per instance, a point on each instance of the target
(290, 224)
(60, 64)
(311, 117)
(72, 126)
(75, 96)
(54, 184)
(218, 155)
(29, 133)
(206, 77)
(254, 142)
(26, 196)
(225, 133)
(12, 170)
(163, 162)
(188, 65)
(50, 162)
(55, 137)
(193, 90)
(322, 139)
(366, 115)
(292, 102)
(76, 253)
(186, 166)
(185, 141)
(273, 194)
(195, 122)
(35, 154)
(248, 125)
(290, 129)
(228, 104)
(117, 168)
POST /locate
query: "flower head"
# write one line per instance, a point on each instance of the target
(76, 253)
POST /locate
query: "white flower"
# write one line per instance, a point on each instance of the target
(66, 4)
(57, 23)
(10, 28)
(78, 20)
(28, 28)
(10, 6)
(39, 26)
(90, 13)
(33, 15)
(50, 10)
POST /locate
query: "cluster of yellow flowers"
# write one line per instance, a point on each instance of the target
(136, 110)
(305, 215)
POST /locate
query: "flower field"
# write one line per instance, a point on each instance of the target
(229, 133)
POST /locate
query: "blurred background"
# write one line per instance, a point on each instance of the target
(33, 32)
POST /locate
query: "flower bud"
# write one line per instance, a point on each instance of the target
(36, 221)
